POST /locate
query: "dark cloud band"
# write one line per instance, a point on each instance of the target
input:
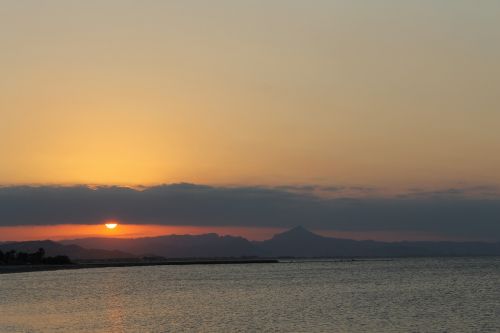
(187, 204)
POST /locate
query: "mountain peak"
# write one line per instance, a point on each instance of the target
(298, 232)
(299, 229)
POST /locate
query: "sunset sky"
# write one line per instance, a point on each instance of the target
(361, 119)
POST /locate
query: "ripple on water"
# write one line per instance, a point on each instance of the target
(425, 295)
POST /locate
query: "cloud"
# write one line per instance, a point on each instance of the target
(485, 191)
(330, 190)
(448, 212)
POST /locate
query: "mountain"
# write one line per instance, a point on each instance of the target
(300, 242)
(73, 251)
(296, 242)
(176, 246)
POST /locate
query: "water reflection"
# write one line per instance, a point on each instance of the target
(456, 294)
(114, 301)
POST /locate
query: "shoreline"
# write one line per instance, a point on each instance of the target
(10, 269)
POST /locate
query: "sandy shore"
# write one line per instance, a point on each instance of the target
(40, 268)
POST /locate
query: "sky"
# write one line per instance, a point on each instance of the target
(383, 99)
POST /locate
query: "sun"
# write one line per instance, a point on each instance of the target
(111, 225)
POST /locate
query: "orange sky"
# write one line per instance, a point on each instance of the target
(68, 231)
(242, 92)
(60, 232)
(387, 94)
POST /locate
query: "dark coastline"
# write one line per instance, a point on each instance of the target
(41, 268)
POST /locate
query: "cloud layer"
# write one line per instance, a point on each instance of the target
(448, 212)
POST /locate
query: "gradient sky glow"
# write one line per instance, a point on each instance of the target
(389, 94)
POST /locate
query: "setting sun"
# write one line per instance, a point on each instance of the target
(111, 225)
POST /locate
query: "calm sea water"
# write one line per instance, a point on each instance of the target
(404, 295)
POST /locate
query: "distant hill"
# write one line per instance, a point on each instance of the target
(300, 242)
(176, 246)
(297, 242)
(55, 249)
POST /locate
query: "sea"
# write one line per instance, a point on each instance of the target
(392, 295)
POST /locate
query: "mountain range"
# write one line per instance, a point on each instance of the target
(297, 242)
